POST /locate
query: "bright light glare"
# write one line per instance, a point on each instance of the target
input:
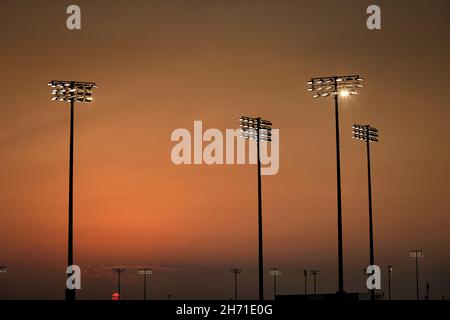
(344, 93)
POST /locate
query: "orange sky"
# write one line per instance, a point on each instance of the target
(163, 64)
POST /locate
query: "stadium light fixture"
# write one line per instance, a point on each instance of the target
(71, 92)
(368, 134)
(260, 130)
(337, 86)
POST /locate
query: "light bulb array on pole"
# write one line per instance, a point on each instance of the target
(71, 92)
(337, 86)
(260, 130)
(368, 134)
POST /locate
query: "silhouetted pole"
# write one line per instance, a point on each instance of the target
(235, 272)
(119, 271)
(365, 274)
(260, 232)
(314, 273)
(369, 181)
(369, 186)
(275, 272)
(235, 286)
(416, 254)
(145, 272)
(71, 91)
(70, 293)
(315, 290)
(3, 269)
(305, 274)
(145, 286)
(368, 134)
(390, 269)
(259, 130)
(336, 86)
(417, 277)
(118, 288)
(339, 200)
(274, 287)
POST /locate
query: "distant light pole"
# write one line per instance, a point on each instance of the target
(368, 134)
(71, 91)
(366, 276)
(427, 296)
(314, 273)
(337, 86)
(3, 269)
(416, 254)
(119, 271)
(275, 272)
(260, 130)
(390, 269)
(305, 274)
(235, 272)
(145, 272)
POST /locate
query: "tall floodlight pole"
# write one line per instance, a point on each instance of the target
(305, 274)
(71, 91)
(337, 86)
(275, 272)
(235, 272)
(416, 254)
(314, 273)
(145, 272)
(3, 269)
(368, 134)
(259, 130)
(119, 271)
(390, 269)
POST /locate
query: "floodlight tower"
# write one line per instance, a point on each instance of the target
(119, 271)
(314, 273)
(390, 270)
(71, 91)
(260, 130)
(305, 274)
(416, 254)
(368, 134)
(3, 269)
(145, 272)
(275, 272)
(337, 86)
(235, 272)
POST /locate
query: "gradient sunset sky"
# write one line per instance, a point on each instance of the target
(163, 64)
